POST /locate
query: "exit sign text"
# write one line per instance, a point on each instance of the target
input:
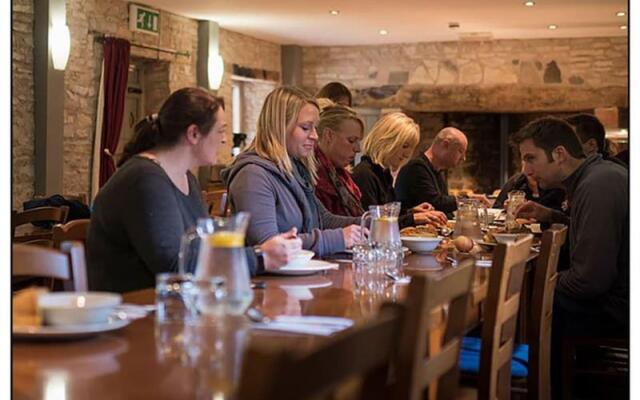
(142, 19)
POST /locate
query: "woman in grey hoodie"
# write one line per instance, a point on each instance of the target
(274, 179)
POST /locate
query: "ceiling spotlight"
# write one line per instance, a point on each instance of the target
(529, 3)
(623, 27)
(620, 14)
(383, 32)
(334, 12)
(552, 26)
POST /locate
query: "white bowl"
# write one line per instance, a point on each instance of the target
(421, 244)
(77, 308)
(506, 237)
(300, 259)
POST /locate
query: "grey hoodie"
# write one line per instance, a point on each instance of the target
(277, 203)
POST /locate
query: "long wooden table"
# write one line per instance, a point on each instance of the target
(151, 360)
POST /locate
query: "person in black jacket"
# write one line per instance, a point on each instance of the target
(591, 133)
(388, 146)
(592, 294)
(422, 179)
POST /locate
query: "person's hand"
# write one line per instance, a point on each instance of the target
(431, 217)
(533, 210)
(482, 198)
(279, 249)
(353, 234)
(424, 207)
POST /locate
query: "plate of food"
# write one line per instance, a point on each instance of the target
(420, 239)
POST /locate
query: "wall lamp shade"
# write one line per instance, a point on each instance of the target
(60, 44)
(215, 70)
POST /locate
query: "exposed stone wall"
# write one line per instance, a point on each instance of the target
(512, 75)
(22, 106)
(82, 78)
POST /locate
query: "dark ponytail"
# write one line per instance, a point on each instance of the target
(184, 107)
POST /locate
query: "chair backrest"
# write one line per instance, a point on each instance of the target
(215, 202)
(54, 214)
(76, 230)
(538, 380)
(500, 317)
(417, 368)
(67, 264)
(364, 351)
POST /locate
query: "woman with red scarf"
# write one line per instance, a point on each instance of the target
(340, 130)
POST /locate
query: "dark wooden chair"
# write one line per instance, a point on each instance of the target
(487, 363)
(416, 368)
(67, 264)
(40, 214)
(364, 351)
(216, 202)
(76, 230)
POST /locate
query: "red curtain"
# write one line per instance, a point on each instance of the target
(116, 72)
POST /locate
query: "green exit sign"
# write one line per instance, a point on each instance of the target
(143, 19)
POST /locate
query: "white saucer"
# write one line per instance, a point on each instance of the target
(311, 267)
(67, 331)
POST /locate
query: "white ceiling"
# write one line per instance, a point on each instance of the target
(308, 22)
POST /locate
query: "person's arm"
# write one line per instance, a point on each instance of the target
(153, 223)
(333, 221)
(415, 184)
(251, 191)
(600, 223)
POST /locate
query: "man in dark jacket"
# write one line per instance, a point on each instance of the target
(422, 179)
(591, 133)
(592, 294)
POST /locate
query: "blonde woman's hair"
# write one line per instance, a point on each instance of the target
(388, 136)
(333, 115)
(279, 114)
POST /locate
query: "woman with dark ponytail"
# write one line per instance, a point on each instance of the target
(140, 214)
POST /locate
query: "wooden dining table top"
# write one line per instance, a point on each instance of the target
(134, 362)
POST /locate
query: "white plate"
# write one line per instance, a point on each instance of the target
(312, 267)
(68, 331)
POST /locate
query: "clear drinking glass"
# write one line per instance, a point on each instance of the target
(171, 296)
(516, 199)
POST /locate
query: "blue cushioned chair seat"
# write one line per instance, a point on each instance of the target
(470, 357)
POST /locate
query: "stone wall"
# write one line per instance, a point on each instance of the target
(82, 78)
(500, 75)
(22, 107)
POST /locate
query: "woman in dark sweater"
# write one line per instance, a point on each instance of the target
(140, 214)
(388, 147)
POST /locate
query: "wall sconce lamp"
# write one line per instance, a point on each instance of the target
(215, 70)
(60, 44)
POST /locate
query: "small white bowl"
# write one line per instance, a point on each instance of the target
(506, 237)
(300, 259)
(421, 244)
(77, 308)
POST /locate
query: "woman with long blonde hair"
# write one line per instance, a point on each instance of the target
(388, 147)
(274, 178)
(340, 130)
